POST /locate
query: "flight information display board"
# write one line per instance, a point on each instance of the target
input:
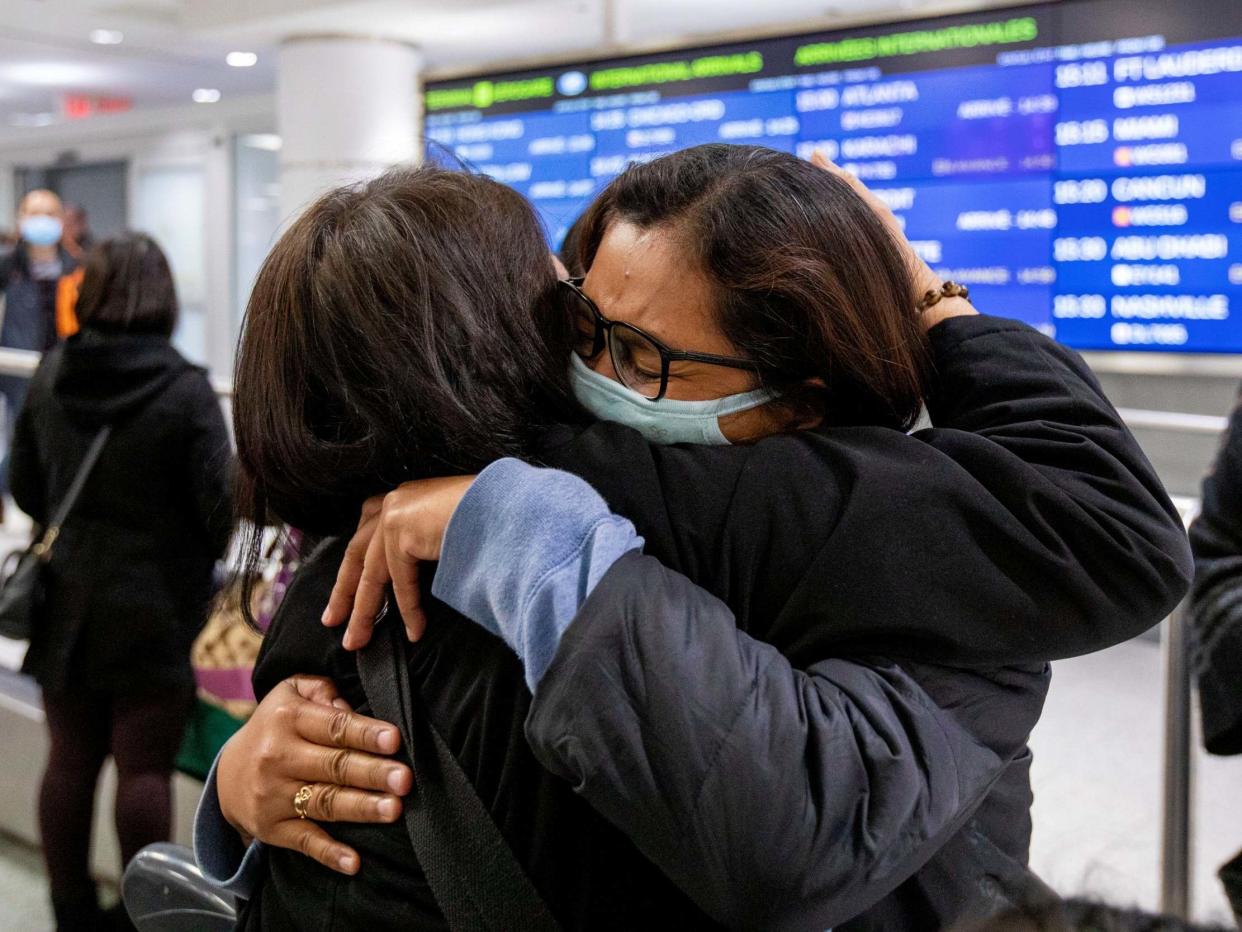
(1078, 164)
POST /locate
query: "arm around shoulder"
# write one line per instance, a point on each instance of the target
(1026, 525)
(1027, 420)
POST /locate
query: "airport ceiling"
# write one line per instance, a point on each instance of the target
(160, 52)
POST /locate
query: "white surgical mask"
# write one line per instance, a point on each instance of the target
(669, 420)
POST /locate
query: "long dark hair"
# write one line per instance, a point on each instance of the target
(808, 281)
(394, 332)
(127, 287)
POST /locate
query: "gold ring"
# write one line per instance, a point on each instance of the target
(301, 799)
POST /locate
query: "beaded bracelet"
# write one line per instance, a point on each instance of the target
(947, 290)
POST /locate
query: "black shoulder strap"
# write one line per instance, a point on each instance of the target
(475, 877)
(83, 473)
(43, 547)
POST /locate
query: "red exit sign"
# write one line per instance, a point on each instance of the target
(82, 106)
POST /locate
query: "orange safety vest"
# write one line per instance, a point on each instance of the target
(67, 303)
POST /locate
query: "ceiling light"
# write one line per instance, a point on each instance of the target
(267, 141)
(56, 74)
(206, 95)
(242, 59)
(107, 36)
(32, 119)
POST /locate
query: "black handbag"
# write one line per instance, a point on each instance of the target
(21, 592)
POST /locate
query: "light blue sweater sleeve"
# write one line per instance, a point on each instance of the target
(522, 552)
(218, 849)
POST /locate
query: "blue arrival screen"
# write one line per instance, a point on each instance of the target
(1078, 165)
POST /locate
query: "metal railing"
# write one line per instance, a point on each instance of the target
(24, 362)
(17, 361)
(1177, 773)
(1178, 770)
(1175, 421)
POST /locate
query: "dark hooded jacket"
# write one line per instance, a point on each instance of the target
(1216, 606)
(29, 304)
(1216, 614)
(131, 575)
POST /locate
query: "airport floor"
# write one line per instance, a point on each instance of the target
(1097, 786)
(1097, 796)
(23, 889)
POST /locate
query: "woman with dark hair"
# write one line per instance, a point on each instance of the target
(841, 779)
(130, 576)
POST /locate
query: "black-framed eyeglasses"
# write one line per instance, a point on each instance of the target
(641, 361)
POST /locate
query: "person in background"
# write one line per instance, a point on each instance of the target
(130, 580)
(1216, 614)
(78, 238)
(29, 279)
(78, 241)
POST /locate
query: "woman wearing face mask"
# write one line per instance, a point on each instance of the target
(740, 500)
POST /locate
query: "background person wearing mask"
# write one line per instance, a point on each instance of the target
(29, 277)
(130, 579)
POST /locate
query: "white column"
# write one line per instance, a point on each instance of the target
(346, 108)
(8, 196)
(219, 265)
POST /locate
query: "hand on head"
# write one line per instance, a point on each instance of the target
(925, 279)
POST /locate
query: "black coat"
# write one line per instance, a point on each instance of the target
(1216, 606)
(29, 305)
(1027, 525)
(1215, 614)
(857, 794)
(131, 574)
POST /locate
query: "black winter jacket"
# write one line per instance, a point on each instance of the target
(1215, 614)
(861, 794)
(1029, 525)
(1216, 603)
(1046, 444)
(130, 578)
(29, 305)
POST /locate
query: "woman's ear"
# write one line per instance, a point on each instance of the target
(812, 402)
(803, 406)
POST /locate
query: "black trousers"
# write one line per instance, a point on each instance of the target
(142, 733)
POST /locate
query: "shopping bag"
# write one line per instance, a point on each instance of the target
(223, 660)
(224, 654)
